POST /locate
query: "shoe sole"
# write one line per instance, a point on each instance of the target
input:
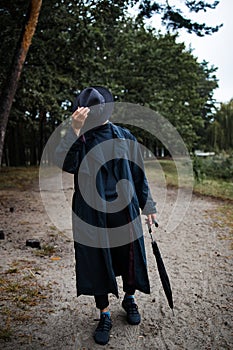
(101, 343)
(133, 323)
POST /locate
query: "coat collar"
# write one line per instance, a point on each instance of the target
(118, 133)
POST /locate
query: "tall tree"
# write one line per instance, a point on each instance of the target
(173, 16)
(220, 129)
(9, 89)
(76, 44)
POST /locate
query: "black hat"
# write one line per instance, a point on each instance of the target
(98, 96)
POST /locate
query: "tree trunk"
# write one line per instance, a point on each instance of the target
(11, 83)
(33, 150)
(42, 118)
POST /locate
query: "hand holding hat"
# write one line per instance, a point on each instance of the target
(96, 103)
(78, 118)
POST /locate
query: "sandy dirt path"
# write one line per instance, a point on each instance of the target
(39, 307)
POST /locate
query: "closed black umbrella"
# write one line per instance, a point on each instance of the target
(162, 271)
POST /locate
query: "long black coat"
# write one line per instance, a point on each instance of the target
(85, 158)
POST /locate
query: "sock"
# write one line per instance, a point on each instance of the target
(127, 297)
(106, 313)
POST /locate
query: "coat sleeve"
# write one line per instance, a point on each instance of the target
(146, 203)
(67, 153)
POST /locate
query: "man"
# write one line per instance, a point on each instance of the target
(110, 189)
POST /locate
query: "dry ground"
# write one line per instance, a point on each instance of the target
(39, 307)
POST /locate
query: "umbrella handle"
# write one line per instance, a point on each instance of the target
(150, 230)
(155, 223)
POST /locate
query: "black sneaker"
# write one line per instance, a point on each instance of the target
(101, 334)
(133, 316)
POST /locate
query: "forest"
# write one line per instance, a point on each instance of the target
(83, 43)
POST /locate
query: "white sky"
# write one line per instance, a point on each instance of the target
(216, 48)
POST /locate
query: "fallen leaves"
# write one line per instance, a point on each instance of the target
(55, 258)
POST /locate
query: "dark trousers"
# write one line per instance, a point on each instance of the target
(102, 301)
(120, 262)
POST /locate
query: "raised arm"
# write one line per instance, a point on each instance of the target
(68, 150)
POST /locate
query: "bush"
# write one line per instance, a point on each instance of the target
(217, 167)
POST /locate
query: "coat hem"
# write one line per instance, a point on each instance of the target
(91, 294)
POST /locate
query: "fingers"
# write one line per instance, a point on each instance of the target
(150, 220)
(79, 117)
(80, 113)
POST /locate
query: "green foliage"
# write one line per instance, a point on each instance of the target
(79, 43)
(220, 129)
(217, 167)
(11, 21)
(198, 169)
(167, 78)
(174, 18)
(217, 188)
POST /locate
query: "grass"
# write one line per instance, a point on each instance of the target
(165, 171)
(6, 333)
(19, 289)
(18, 178)
(159, 172)
(46, 250)
(215, 188)
(19, 293)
